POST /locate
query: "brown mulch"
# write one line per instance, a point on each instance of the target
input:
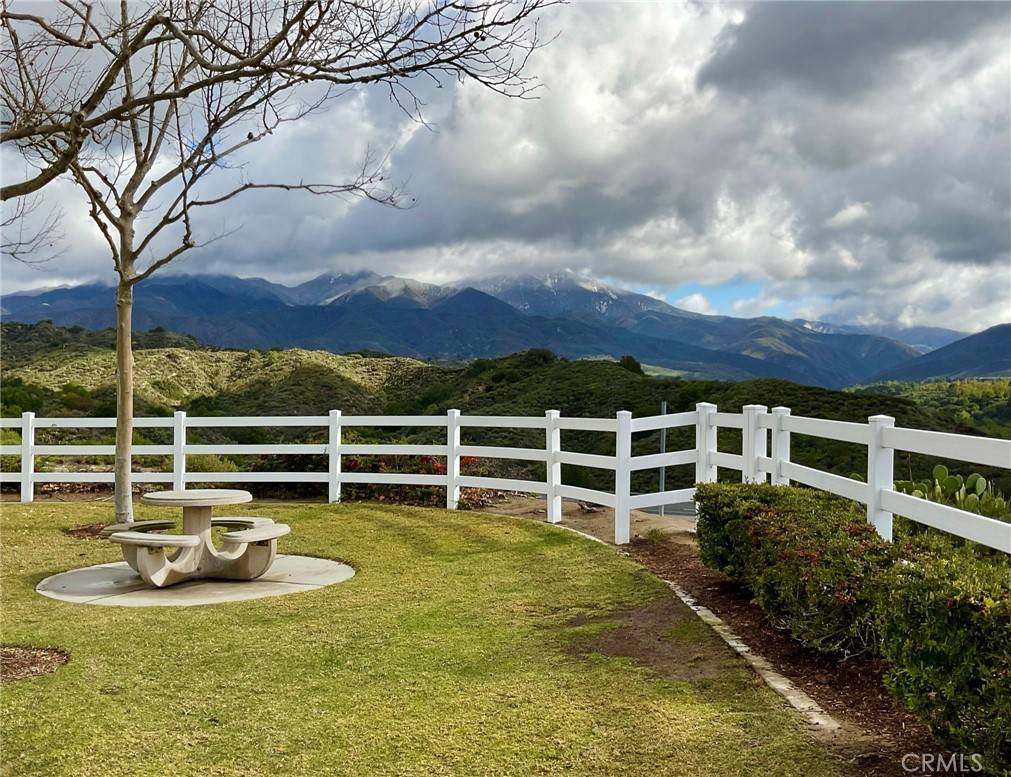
(18, 662)
(851, 689)
(88, 531)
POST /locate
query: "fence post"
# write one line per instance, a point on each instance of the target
(554, 473)
(880, 475)
(705, 443)
(179, 450)
(662, 479)
(27, 456)
(755, 441)
(780, 445)
(623, 478)
(452, 459)
(333, 450)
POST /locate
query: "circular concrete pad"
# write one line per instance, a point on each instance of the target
(116, 585)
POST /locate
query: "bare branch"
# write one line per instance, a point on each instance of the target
(49, 93)
(30, 245)
(185, 76)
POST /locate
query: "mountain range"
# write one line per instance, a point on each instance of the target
(571, 315)
(985, 354)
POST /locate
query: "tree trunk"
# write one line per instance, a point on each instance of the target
(124, 401)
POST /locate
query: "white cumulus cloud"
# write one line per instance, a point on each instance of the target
(696, 303)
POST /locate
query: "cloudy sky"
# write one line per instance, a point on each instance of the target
(842, 161)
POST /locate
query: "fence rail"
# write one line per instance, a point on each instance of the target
(765, 455)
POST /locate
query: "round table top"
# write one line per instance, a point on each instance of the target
(197, 497)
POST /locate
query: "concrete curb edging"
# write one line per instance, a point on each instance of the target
(809, 709)
(800, 701)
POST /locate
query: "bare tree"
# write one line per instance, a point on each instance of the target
(147, 107)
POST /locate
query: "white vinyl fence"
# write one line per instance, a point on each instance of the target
(757, 462)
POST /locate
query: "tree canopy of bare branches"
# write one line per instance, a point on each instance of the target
(69, 74)
(146, 107)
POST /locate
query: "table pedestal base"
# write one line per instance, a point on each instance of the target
(234, 561)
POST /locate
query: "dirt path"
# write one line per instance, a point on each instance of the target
(598, 522)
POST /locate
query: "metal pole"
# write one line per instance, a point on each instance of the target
(663, 449)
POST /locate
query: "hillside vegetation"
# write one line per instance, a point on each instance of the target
(982, 404)
(204, 380)
(22, 343)
(291, 382)
(297, 381)
(77, 378)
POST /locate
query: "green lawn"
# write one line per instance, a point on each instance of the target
(466, 644)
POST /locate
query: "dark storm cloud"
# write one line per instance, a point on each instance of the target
(841, 48)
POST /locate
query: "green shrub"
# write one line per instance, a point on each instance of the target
(813, 562)
(20, 397)
(77, 398)
(478, 366)
(938, 608)
(723, 514)
(10, 463)
(205, 462)
(505, 376)
(945, 623)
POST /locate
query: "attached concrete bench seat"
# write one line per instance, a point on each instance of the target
(253, 550)
(146, 554)
(262, 533)
(239, 522)
(155, 540)
(137, 526)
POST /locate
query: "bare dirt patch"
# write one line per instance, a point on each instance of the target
(88, 531)
(665, 636)
(596, 521)
(877, 730)
(18, 662)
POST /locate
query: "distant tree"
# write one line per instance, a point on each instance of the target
(141, 104)
(535, 357)
(631, 364)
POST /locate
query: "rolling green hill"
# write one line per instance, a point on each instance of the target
(289, 382)
(982, 404)
(21, 343)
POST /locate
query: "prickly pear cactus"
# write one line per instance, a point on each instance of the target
(973, 494)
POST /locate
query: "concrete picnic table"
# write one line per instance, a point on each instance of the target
(245, 554)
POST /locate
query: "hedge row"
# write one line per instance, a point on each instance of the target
(937, 608)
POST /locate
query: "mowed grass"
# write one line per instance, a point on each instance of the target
(456, 649)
